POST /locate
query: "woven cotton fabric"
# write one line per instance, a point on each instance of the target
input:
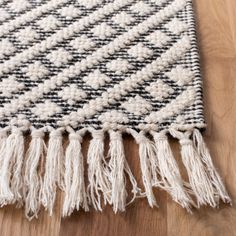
(104, 67)
(99, 63)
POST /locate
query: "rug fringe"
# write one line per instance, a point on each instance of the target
(169, 171)
(34, 180)
(33, 174)
(75, 192)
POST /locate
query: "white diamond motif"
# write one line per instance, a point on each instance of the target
(158, 38)
(19, 5)
(159, 90)
(141, 8)
(72, 94)
(6, 48)
(119, 66)
(158, 2)
(27, 35)
(137, 106)
(82, 43)
(113, 117)
(3, 15)
(176, 26)
(70, 12)
(49, 23)
(140, 52)
(181, 75)
(9, 86)
(103, 30)
(46, 109)
(96, 79)
(35, 71)
(89, 3)
(123, 19)
(59, 57)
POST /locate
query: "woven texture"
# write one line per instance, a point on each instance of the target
(99, 63)
(104, 67)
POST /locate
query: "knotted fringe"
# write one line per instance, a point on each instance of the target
(33, 175)
(12, 153)
(148, 165)
(169, 171)
(98, 173)
(199, 178)
(53, 170)
(206, 158)
(118, 169)
(75, 192)
(33, 180)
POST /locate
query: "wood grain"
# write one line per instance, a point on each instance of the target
(216, 20)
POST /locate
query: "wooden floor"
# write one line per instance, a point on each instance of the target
(217, 39)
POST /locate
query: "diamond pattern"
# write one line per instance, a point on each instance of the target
(103, 31)
(96, 79)
(119, 66)
(137, 105)
(159, 90)
(46, 110)
(108, 61)
(158, 38)
(176, 26)
(49, 23)
(35, 71)
(141, 8)
(181, 75)
(19, 5)
(59, 57)
(70, 12)
(72, 94)
(90, 3)
(6, 48)
(9, 86)
(3, 15)
(140, 52)
(82, 43)
(123, 19)
(27, 35)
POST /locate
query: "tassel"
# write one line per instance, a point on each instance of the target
(32, 178)
(53, 169)
(198, 178)
(97, 171)
(147, 163)
(169, 171)
(10, 177)
(206, 158)
(117, 174)
(3, 142)
(75, 192)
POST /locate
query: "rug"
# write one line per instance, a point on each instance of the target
(107, 68)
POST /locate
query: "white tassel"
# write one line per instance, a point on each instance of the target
(169, 171)
(117, 175)
(198, 177)
(75, 192)
(97, 171)
(147, 163)
(32, 177)
(206, 158)
(18, 158)
(53, 169)
(10, 177)
(3, 142)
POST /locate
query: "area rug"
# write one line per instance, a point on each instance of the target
(107, 68)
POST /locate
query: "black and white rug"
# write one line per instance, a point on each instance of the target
(106, 67)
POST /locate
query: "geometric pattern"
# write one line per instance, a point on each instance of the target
(92, 63)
